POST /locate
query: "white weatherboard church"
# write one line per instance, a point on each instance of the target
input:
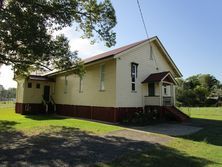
(118, 83)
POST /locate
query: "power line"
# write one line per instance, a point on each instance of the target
(144, 24)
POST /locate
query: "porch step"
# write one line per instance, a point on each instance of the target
(176, 113)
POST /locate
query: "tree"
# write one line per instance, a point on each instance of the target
(209, 82)
(192, 82)
(201, 94)
(27, 27)
(196, 90)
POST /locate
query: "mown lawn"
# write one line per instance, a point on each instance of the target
(6, 104)
(211, 113)
(34, 122)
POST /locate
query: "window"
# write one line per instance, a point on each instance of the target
(65, 85)
(29, 85)
(151, 89)
(80, 85)
(134, 74)
(165, 90)
(53, 88)
(38, 85)
(102, 77)
(151, 53)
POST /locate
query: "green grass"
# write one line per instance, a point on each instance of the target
(6, 104)
(29, 123)
(207, 143)
(202, 149)
(212, 113)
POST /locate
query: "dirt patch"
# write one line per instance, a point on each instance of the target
(170, 129)
(140, 136)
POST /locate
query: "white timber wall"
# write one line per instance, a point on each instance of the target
(146, 66)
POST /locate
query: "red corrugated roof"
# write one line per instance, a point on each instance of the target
(156, 77)
(40, 78)
(113, 52)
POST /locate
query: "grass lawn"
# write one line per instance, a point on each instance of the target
(6, 104)
(35, 122)
(211, 113)
(201, 149)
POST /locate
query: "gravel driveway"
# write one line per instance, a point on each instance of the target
(170, 129)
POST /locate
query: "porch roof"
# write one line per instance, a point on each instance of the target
(40, 78)
(161, 76)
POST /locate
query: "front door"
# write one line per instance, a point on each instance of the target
(46, 93)
(151, 89)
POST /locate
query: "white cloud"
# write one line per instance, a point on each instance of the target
(6, 77)
(85, 49)
(83, 46)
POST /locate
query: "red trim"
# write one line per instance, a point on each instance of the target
(108, 114)
(40, 78)
(156, 77)
(28, 108)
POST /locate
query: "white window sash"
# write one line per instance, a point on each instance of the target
(65, 85)
(102, 77)
(80, 85)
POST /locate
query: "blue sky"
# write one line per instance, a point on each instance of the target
(190, 30)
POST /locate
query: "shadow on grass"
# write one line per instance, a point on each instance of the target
(211, 132)
(72, 147)
(43, 117)
(6, 126)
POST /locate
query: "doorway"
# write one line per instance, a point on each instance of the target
(151, 89)
(46, 93)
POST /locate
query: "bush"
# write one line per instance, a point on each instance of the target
(142, 118)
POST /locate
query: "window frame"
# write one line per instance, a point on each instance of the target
(102, 78)
(80, 84)
(134, 75)
(65, 84)
(29, 85)
(151, 53)
(165, 90)
(38, 86)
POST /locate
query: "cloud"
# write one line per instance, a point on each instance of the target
(83, 46)
(6, 77)
(85, 49)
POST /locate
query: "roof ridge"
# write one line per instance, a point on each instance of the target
(114, 51)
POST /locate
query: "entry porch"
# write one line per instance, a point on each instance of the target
(159, 89)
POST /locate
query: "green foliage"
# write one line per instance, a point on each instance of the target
(196, 90)
(27, 27)
(142, 118)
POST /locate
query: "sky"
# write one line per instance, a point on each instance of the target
(191, 31)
